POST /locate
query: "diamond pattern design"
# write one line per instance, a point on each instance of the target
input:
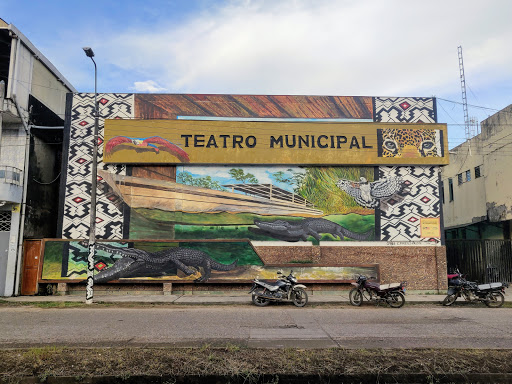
(404, 110)
(100, 265)
(400, 220)
(75, 222)
(405, 105)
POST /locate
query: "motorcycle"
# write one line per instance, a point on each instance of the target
(491, 294)
(392, 294)
(285, 288)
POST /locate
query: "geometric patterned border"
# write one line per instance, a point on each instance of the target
(77, 194)
(400, 214)
(400, 217)
(404, 110)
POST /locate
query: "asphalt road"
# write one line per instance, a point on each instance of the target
(276, 326)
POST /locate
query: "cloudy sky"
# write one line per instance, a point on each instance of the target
(313, 47)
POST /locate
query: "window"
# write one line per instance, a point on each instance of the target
(477, 172)
(5, 221)
(468, 175)
(450, 188)
(459, 179)
(442, 191)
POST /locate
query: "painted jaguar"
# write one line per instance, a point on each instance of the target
(394, 142)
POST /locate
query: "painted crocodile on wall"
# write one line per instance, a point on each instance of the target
(137, 263)
(300, 230)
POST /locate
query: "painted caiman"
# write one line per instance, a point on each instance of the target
(300, 230)
(136, 262)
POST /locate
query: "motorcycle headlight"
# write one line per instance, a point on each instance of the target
(293, 279)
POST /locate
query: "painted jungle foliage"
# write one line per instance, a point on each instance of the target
(254, 202)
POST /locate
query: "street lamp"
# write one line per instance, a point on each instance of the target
(94, 182)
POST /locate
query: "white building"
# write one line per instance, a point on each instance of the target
(32, 98)
(478, 183)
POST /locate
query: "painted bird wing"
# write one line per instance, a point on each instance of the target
(354, 190)
(116, 141)
(166, 145)
(384, 188)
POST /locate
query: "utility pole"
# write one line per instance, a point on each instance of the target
(89, 291)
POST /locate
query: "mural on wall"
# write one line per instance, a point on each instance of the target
(404, 110)
(197, 262)
(76, 183)
(249, 202)
(112, 221)
(410, 143)
(400, 218)
(135, 262)
(292, 203)
(369, 194)
(152, 144)
(400, 215)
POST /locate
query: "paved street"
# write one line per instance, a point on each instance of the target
(413, 326)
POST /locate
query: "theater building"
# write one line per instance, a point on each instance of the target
(206, 192)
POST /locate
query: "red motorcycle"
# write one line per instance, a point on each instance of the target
(392, 294)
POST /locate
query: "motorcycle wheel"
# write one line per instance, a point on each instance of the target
(258, 300)
(449, 300)
(356, 297)
(299, 297)
(495, 300)
(395, 299)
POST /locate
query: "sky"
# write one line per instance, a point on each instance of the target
(281, 47)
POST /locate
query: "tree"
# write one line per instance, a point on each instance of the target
(296, 179)
(239, 175)
(280, 178)
(203, 182)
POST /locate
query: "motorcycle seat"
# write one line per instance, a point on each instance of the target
(483, 287)
(388, 286)
(271, 287)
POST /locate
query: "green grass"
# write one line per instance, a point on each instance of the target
(319, 187)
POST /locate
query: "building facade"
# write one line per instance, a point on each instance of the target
(330, 186)
(477, 183)
(32, 106)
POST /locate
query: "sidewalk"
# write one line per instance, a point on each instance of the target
(238, 299)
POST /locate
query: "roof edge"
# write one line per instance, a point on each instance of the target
(40, 56)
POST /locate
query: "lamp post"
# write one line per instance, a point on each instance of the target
(89, 292)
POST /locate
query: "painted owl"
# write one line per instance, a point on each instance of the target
(410, 143)
(368, 194)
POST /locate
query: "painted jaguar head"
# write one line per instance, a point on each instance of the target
(412, 143)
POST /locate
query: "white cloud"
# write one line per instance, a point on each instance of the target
(147, 86)
(324, 47)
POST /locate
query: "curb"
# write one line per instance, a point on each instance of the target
(198, 302)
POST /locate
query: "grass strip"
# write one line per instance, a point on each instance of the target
(236, 361)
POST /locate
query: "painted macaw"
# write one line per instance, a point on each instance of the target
(155, 142)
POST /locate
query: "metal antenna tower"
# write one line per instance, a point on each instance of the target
(464, 98)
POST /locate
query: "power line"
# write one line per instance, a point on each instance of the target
(474, 106)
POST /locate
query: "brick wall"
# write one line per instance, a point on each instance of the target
(424, 268)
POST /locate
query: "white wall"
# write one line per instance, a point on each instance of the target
(490, 196)
(48, 90)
